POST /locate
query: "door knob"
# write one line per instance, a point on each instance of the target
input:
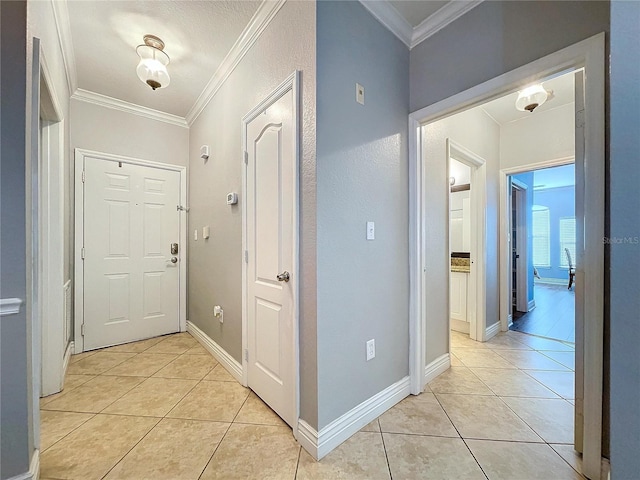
(174, 260)
(283, 277)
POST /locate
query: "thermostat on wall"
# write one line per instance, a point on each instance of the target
(232, 198)
(204, 152)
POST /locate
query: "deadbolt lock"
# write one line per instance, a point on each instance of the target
(174, 249)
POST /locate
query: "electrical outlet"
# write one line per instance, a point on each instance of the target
(371, 349)
(371, 230)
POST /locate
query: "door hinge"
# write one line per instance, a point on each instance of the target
(246, 355)
(246, 256)
(246, 157)
(580, 119)
(83, 177)
(82, 253)
(82, 329)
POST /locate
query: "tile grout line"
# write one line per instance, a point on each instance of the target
(71, 431)
(295, 475)
(386, 455)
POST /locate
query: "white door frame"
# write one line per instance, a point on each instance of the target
(522, 273)
(52, 347)
(590, 55)
(80, 156)
(477, 290)
(505, 231)
(291, 83)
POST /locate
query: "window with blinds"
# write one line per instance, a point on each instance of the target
(541, 234)
(567, 240)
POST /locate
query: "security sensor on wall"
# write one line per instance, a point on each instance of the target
(204, 152)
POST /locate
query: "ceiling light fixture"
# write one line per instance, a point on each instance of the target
(152, 68)
(531, 98)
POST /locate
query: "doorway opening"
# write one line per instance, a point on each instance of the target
(429, 217)
(543, 261)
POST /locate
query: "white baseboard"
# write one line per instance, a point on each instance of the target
(34, 469)
(459, 325)
(531, 305)
(435, 368)
(319, 444)
(219, 353)
(65, 362)
(509, 321)
(491, 331)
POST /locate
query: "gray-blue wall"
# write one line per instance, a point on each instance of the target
(624, 194)
(362, 175)
(496, 37)
(15, 444)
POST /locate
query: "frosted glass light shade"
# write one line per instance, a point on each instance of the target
(531, 97)
(152, 68)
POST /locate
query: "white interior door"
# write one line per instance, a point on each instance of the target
(131, 284)
(270, 197)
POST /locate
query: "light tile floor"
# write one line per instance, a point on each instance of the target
(165, 409)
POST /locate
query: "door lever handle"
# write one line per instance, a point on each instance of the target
(283, 277)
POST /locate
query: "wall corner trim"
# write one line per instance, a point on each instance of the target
(440, 19)
(491, 331)
(435, 368)
(10, 306)
(117, 104)
(63, 27)
(319, 444)
(34, 468)
(260, 20)
(219, 353)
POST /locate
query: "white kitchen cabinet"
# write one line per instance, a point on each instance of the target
(458, 301)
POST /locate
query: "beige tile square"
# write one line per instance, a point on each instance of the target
(483, 358)
(476, 416)
(539, 343)
(98, 363)
(256, 412)
(193, 367)
(508, 460)
(561, 383)
(95, 395)
(530, 359)
(459, 380)
(56, 425)
(512, 383)
(551, 419)
(361, 457)
(455, 361)
(177, 344)
(197, 350)
(568, 359)
(135, 347)
(174, 450)
(79, 356)
(506, 340)
(220, 374)
(154, 397)
(254, 451)
(142, 365)
(372, 426)
(569, 455)
(462, 340)
(412, 457)
(91, 450)
(70, 382)
(217, 401)
(419, 415)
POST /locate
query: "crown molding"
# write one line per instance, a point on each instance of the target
(63, 26)
(386, 14)
(263, 16)
(440, 19)
(121, 105)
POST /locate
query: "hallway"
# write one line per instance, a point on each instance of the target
(165, 409)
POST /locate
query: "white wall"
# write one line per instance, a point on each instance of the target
(543, 136)
(215, 265)
(476, 131)
(107, 130)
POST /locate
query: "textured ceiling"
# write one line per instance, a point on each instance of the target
(503, 109)
(416, 11)
(197, 34)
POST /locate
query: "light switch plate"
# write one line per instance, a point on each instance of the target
(371, 230)
(206, 231)
(195, 234)
(371, 349)
(359, 94)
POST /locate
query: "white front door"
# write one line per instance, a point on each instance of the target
(270, 196)
(131, 285)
